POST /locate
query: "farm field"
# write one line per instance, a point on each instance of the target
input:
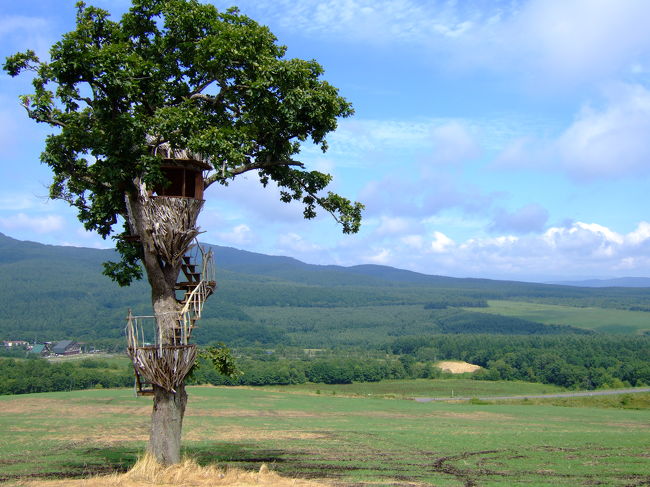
(604, 320)
(402, 389)
(341, 440)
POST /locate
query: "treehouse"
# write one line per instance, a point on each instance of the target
(159, 346)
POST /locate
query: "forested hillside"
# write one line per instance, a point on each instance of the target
(52, 293)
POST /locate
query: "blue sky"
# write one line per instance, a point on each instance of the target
(500, 139)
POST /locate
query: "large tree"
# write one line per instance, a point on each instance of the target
(175, 77)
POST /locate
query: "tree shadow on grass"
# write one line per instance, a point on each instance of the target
(76, 462)
(80, 462)
(287, 462)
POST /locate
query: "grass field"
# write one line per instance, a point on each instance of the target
(599, 319)
(344, 440)
(402, 389)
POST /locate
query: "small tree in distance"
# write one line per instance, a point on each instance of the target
(175, 78)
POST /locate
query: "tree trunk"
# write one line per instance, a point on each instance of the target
(168, 406)
(166, 227)
(166, 424)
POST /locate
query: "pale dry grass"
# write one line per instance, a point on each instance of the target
(147, 472)
(457, 367)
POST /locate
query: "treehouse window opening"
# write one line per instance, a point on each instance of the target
(183, 182)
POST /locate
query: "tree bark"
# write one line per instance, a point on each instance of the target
(168, 406)
(167, 424)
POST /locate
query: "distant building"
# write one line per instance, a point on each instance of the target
(66, 347)
(39, 349)
(14, 343)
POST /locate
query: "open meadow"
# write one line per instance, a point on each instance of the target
(603, 320)
(339, 439)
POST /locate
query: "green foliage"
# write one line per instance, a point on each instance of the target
(39, 375)
(221, 359)
(571, 361)
(181, 72)
(457, 321)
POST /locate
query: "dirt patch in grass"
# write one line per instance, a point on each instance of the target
(108, 436)
(52, 407)
(628, 426)
(457, 367)
(252, 413)
(245, 434)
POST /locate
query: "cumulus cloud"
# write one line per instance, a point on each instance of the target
(530, 218)
(441, 243)
(577, 249)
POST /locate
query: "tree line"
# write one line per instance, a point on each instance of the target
(571, 361)
(31, 375)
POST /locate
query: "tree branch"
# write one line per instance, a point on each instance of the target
(32, 114)
(202, 87)
(249, 167)
(218, 98)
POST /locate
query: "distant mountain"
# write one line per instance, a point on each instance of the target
(54, 293)
(616, 282)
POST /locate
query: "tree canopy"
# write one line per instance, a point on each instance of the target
(182, 73)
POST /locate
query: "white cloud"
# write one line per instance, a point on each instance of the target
(17, 201)
(381, 257)
(292, 243)
(564, 252)
(422, 195)
(441, 243)
(578, 39)
(543, 41)
(238, 235)
(413, 241)
(393, 225)
(376, 22)
(612, 141)
(385, 144)
(526, 152)
(605, 141)
(39, 224)
(589, 239)
(640, 235)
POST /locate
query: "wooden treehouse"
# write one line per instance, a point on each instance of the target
(159, 346)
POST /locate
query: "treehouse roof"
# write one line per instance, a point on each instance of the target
(178, 157)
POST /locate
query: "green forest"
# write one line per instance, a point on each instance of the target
(367, 322)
